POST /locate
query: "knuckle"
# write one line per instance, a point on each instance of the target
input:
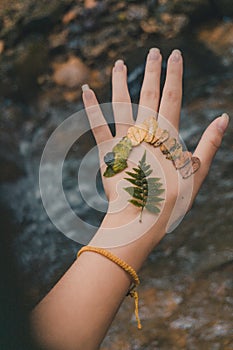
(151, 68)
(93, 111)
(173, 95)
(100, 134)
(121, 97)
(149, 94)
(215, 142)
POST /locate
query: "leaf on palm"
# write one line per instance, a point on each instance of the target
(146, 191)
(116, 160)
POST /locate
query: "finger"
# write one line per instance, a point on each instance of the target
(96, 119)
(172, 92)
(207, 147)
(121, 99)
(150, 91)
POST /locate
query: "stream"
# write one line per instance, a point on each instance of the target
(186, 291)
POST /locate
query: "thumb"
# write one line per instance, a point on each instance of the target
(208, 146)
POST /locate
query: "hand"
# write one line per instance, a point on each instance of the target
(92, 280)
(169, 106)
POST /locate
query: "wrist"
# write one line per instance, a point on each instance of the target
(122, 232)
(132, 250)
(116, 216)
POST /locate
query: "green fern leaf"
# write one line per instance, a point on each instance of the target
(154, 200)
(154, 191)
(153, 209)
(148, 172)
(143, 160)
(146, 190)
(153, 181)
(157, 193)
(147, 167)
(135, 192)
(109, 172)
(135, 176)
(135, 182)
(130, 190)
(136, 203)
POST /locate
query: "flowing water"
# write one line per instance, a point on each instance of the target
(186, 299)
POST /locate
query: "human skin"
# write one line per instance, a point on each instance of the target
(78, 311)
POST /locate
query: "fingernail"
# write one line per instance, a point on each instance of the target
(176, 55)
(85, 87)
(154, 54)
(87, 92)
(223, 122)
(119, 65)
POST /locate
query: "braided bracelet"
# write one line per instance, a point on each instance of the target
(132, 291)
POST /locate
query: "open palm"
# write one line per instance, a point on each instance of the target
(167, 107)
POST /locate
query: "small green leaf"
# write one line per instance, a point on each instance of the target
(138, 190)
(158, 192)
(153, 209)
(135, 176)
(154, 191)
(154, 184)
(134, 182)
(117, 159)
(153, 181)
(130, 190)
(143, 160)
(127, 142)
(146, 167)
(154, 199)
(136, 203)
(109, 172)
(119, 165)
(148, 172)
(121, 151)
(138, 195)
(135, 192)
(109, 158)
(142, 174)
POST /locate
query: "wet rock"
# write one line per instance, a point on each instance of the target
(109, 38)
(57, 40)
(198, 10)
(150, 26)
(43, 16)
(30, 62)
(173, 24)
(188, 6)
(11, 161)
(71, 15)
(2, 45)
(136, 12)
(90, 4)
(71, 73)
(219, 39)
(167, 24)
(224, 7)
(10, 165)
(164, 303)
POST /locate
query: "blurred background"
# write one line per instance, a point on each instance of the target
(48, 49)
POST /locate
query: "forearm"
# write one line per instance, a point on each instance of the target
(78, 311)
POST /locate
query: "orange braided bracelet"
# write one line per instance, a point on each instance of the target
(132, 292)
